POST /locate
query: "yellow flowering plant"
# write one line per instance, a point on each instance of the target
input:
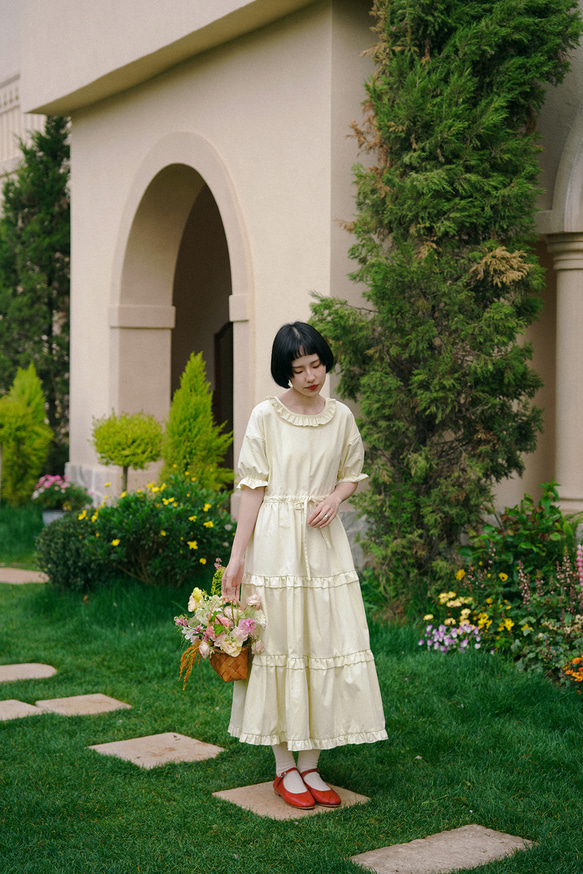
(477, 606)
(162, 534)
(542, 630)
(157, 535)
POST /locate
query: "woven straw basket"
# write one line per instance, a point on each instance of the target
(229, 667)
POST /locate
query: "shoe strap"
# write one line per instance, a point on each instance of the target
(309, 771)
(283, 773)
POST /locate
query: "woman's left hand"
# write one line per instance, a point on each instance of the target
(324, 513)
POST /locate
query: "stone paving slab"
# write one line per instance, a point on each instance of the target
(262, 800)
(25, 671)
(17, 576)
(159, 749)
(467, 847)
(82, 705)
(13, 709)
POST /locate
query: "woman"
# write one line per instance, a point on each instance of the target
(314, 686)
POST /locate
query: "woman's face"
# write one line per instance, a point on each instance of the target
(308, 375)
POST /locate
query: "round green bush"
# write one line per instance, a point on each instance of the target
(66, 554)
(163, 535)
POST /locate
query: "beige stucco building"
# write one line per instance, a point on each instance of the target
(210, 163)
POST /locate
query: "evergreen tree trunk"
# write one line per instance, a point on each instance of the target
(444, 235)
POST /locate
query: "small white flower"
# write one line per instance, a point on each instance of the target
(254, 601)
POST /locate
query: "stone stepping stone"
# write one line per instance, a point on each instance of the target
(159, 749)
(18, 577)
(262, 800)
(13, 709)
(25, 671)
(467, 847)
(82, 705)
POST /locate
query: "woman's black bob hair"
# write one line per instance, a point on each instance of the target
(294, 341)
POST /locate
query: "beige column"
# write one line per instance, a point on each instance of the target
(141, 338)
(567, 251)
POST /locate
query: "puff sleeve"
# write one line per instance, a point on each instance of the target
(253, 467)
(350, 469)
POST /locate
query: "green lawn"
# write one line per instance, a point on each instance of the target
(19, 528)
(471, 740)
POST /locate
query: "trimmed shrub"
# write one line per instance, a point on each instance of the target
(66, 554)
(130, 440)
(193, 444)
(24, 435)
(162, 535)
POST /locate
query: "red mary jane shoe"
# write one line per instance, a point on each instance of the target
(326, 798)
(302, 800)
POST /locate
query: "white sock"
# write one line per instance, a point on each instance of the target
(284, 760)
(308, 759)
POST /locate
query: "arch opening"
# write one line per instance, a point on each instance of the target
(174, 297)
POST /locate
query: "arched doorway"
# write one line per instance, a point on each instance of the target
(202, 287)
(175, 291)
(147, 312)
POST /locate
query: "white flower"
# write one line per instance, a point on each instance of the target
(204, 649)
(230, 646)
(190, 633)
(257, 646)
(254, 601)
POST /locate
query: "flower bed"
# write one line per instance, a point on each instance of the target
(54, 492)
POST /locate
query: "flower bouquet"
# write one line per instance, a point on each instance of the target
(222, 631)
(59, 493)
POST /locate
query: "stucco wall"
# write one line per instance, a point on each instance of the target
(253, 99)
(76, 52)
(273, 110)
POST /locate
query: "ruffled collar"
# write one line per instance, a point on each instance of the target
(304, 420)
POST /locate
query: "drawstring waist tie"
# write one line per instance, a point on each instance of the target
(301, 503)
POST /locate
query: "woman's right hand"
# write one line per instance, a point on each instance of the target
(251, 500)
(232, 577)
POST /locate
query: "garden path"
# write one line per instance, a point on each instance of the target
(17, 576)
(471, 846)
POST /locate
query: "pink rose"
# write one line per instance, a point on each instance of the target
(248, 626)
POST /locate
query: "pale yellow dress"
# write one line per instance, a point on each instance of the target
(315, 685)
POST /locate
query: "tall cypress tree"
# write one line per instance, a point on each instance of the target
(444, 234)
(193, 444)
(35, 271)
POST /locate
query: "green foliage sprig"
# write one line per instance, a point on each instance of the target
(131, 440)
(444, 233)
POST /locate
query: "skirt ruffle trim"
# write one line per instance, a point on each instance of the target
(299, 582)
(297, 744)
(264, 660)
